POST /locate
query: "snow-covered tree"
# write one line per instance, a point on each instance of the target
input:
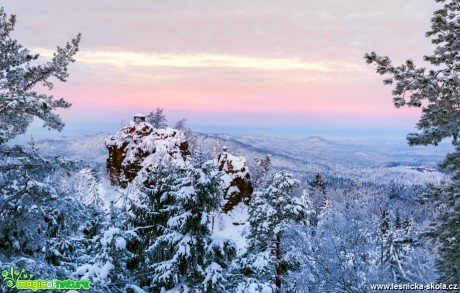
(308, 203)
(189, 136)
(318, 184)
(271, 211)
(37, 218)
(437, 91)
(39, 221)
(19, 76)
(318, 194)
(395, 244)
(184, 254)
(107, 269)
(339, 254)
(157, 118)
(384, 230)
(144, 218)
(180, 125)
(260, 168)
(446, 231)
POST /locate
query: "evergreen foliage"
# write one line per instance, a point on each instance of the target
(318, 184)
(437, 91)
(19, 75)
(39, 221)
(182, 252)
(271, 211)
(446, 231)
(191, 139)
(157, 118)
(108, 266)
(260, 169)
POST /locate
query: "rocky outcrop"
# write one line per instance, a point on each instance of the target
(139, 146)
(237, 186)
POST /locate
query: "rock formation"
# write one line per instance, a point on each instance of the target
(237, 186)
(140, 145)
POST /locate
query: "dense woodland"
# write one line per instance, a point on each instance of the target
(315, 222)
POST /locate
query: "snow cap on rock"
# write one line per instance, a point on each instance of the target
(139, 118)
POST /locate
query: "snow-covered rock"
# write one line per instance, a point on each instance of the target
(237, 185)
(140, 146)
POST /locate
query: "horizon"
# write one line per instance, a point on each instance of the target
(290, 69)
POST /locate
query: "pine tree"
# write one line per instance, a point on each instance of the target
(436, 91)
(85, 186)
(19, 102)
(308, 203)
(271, 211)
(446, 231)
(157, 119)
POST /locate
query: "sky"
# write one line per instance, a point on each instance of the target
(290, 67)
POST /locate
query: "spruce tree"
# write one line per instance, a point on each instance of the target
(318, 194)
(107, 267)
(147, 219)
(271, 211)
(184, 254)
(318, 184)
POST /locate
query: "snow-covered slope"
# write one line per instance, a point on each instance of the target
(380, 161)
(368, 161)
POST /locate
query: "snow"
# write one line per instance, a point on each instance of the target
(105, 270)
(233, 189)
(135, 289)
(95, 272)
(224, 225)
(212, 273)
(234, 224)
(120, 243)
(177, 221)
(238, 163)
(108, 235)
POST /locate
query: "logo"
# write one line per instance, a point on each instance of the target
(22, 280)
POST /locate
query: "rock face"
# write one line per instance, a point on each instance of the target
(237, 186)
(139, 146)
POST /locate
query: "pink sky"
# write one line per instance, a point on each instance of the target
(267, 63)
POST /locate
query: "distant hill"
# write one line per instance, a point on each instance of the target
(366, 160)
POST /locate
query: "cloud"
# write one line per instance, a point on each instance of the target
(135, 59)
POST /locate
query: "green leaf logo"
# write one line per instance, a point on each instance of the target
(12, 276)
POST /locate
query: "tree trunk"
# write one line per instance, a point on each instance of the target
(278, 268)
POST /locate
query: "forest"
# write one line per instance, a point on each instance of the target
(158, 207)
